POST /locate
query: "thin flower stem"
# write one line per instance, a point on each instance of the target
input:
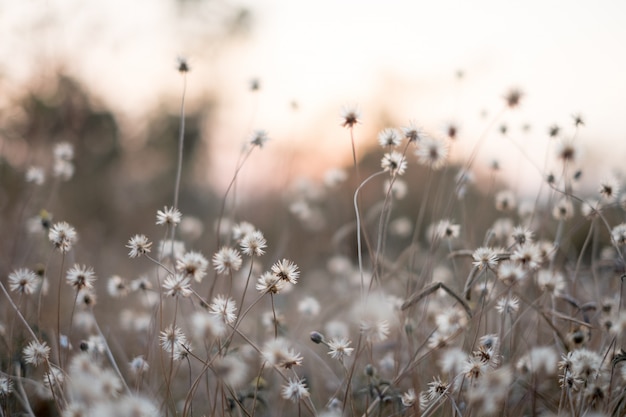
(224, 199)
(58, 337)
(358, 228)
(181, 142)
(274, 313)
(110, 354)
(245, 289)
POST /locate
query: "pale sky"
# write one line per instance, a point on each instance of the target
(393, 57)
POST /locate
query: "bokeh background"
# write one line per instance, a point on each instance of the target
(102, 75)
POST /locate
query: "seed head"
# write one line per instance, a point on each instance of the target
(295, 390)
(36, 352)
(394, 163)
(23, 281)
(192, 264)
(182, 65)
(81, 277)
(286, 271)
(139, 245)
(513, 97)
(63, 236)
(227, 260)
(350, 116)
(389, 138)
(169, 216)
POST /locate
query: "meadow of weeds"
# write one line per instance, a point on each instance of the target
(395, 287)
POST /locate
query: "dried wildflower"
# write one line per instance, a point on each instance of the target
(412, 133)
(394, 163)
(192, 264)
(505, 200)
(527, 256)
(553, 131)
(230, 369)
(538, 359)
(182, 65)
(259, 138)
(513, 97)
(295, 390)
(485, 257)
(563, 209)
(86, 298)
(618, 234)
(95, 345)
(63, 169)
(522, 235)
(550, 282)
(177, 285)
(141, 284)
(270, 283)
(445, 229)
(452, 360)
(474, 367)
(36, 352)
(609, 189)
(174, 341)
(63, 236)
(511, 272)
(339, 348)
(53, 378)
(398, 188)
(578, 119)
(488, 350)
(350, 115)
(224, 308)
(23, 281)
(35, 175)
(567, 151)
(227, 260)
(242, 229)
(139, 245)
(437, 389)
(80, 277)
(254, 84)
(334, 176)
(585, 364)
(117, 287)
(375, 330)
(278, 353)
(578, 337)
(389, 137)
(64, 151)
(590, 208)
(408, 398)
(490, 392)
(432, 152)
(451, 130)
(507, 305)
(138, 365)
(6, 386)
(286, 271)
(169, 216)
(253, 244)
(109, 383)
(547, 250)
(309, 306)
(174, 248)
